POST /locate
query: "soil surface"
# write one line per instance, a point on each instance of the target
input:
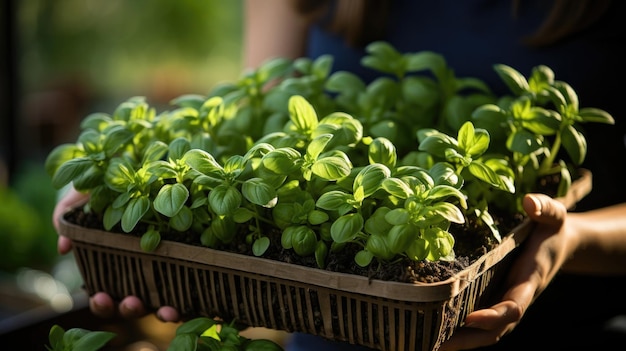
(471, 242)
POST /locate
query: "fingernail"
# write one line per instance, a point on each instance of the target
(98, 306)
(128, 310)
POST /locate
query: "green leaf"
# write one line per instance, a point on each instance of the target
(441, 244)
(363, 258)
(155, 151)
(400, 237)
(382, 151)
(262, 345)
(304, 241)
(178, 148)
(448, 211)
(224, 199)
(345, 82)
(437, 144)
(575, 144)
(516, 82)
(242, 215)
(260, 245)
(195, 326)
(92, 341)
(55, 337)
(116, 138)
(60, 155)
(524, 142)
(223, 228)
(333, 200)
(184, 342)
(321, 253)
(112, 216)
(70, 170)
(317, 145)
(316, 217)
(170, 199)
(596, 115)
(135, 210)
(202, 162)
(370, 178)
(425, 60)
(302, 114)
(182, 220)
(194, 101)
(444, 192)
(376, 245)
(397, 216)
(376, 224)
(346, 227)
(486, 174)
(282, 161)
(150, 240)
(260, 193)
(331, 168)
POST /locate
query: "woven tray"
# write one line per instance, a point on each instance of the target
(259, 292)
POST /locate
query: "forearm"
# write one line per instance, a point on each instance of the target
(272, 29)
(601, 246)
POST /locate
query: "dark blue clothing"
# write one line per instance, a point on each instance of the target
(473, 35)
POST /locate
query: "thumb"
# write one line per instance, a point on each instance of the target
(544, 209)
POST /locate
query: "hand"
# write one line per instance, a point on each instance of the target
(101, 304)
(544, 252)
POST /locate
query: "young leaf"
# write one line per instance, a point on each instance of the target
(225, 199)
(94, 340)
(170, 199)
(260, 245)
(150, 240)
(258, 192)
(135, 209)
(70, 170)
(346, 227)
(331, 168)
(302, 114)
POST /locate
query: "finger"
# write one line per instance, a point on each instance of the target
(168, 314)
(544, 209)
(102, 305)
(495, 317)
(64, 245)
(132, 307)
(485, 327)
(71, 199)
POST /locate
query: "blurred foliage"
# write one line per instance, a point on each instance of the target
(27, 236)
(124, 45)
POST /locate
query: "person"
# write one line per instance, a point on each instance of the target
(565, 290)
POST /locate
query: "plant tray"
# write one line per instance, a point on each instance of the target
(258, 292)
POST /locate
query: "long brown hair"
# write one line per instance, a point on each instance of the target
(363, 21)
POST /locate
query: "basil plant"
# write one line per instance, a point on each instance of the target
(326, 160)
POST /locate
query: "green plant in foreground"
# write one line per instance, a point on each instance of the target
(206, 334)
(199, 334)
(328, 161)
(77, 339)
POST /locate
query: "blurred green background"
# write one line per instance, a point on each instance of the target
(68, 58)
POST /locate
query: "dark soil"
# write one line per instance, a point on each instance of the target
(471, 242)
